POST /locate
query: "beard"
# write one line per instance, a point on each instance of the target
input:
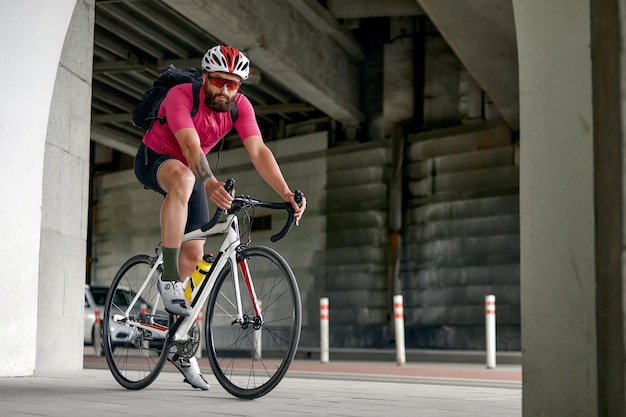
(221, 106)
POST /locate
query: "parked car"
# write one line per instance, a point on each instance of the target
(94, 300)
(95, 297)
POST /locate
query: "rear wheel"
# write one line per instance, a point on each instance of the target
(250, 355)
(134, 355)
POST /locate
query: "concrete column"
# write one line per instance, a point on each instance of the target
(558, 294)
(65, 201)
(607, 57)
(32, 34)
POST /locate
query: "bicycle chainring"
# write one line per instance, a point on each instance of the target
(189, 347)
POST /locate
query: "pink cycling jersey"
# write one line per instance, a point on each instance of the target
(210, 125)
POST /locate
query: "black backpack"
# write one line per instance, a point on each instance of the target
(147, 110)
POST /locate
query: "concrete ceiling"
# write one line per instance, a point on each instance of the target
(482, 34)
(304, 58)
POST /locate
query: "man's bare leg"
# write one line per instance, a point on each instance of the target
(190, 254)
(177, 180)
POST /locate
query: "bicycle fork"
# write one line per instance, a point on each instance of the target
(244, 319)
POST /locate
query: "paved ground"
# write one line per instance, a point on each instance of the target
(343, 388)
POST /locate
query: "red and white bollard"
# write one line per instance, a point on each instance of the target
(398, 320)
(324, 316)
(97, 333)
(490, 330)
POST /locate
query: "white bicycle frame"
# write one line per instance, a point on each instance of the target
(228, 252)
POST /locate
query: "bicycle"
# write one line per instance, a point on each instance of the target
(252, 304)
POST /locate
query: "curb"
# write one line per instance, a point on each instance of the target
(412, 355)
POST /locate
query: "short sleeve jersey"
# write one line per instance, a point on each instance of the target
(210, 125)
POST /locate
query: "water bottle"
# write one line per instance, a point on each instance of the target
(201, 272)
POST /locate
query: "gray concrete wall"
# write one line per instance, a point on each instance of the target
(355, 274)
(557, 209)
(461, 237)
(460, 241)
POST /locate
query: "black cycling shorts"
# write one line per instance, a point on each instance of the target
(147, 163)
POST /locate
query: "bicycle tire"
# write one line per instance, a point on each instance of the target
(244, 367)
(134, 356)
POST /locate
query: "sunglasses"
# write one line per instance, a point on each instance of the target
(221, 82)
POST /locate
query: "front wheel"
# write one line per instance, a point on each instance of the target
(134, 355)
(251, 352)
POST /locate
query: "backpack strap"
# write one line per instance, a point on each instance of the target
(195, 88)
(234, 112)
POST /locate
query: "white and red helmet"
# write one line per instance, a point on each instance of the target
(222, 58)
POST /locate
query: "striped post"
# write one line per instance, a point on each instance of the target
(490, 330)
(324, 316)
(97, 333)
(398, 319)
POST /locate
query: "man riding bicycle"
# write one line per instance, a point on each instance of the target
(172, 161)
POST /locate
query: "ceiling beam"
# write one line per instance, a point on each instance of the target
(113, 139)
(357, 9)
(327, 23)
(171, 30)
(130, 37)
(143, 28)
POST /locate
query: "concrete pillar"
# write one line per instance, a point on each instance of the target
(65, 201)
(44, 120)
(607, 39)
(32, 35)
(558, 294)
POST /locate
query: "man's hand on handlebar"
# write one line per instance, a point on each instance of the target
(218, 195)
(298, 202)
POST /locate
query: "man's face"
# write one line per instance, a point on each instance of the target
(220, 90)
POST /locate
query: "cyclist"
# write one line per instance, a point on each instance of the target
(172, 161)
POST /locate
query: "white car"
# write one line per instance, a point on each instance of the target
(94, 301)
(95, 297)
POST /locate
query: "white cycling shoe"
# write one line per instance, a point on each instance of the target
(173, 294)
(190, 370)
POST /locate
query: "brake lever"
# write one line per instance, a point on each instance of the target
(298, 195)
(229, 185)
